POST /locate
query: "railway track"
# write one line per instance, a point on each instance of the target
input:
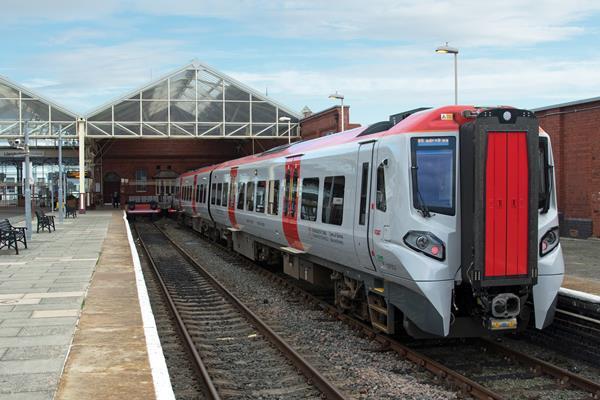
(237, 355)
(481, 370)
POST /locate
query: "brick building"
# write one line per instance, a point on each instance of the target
(325, 122)
(575, 133)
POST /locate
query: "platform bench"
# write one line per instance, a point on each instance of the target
(11, 235)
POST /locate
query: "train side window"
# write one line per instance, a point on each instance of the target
(273, 193)
(310, 199)
(545, 176)
(261, 187)
(224, 196)
(213, 193)
(197, 198)
(381, 202)
(250, 197)
(241, 190)
(205, 197)
(333, 200)
(364, 182)
(219, 193)
(287, 189)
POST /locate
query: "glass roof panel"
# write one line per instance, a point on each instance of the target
(155, 111)
(263, 112)
(157, 92)
(210, 111)
(9, 109)
(155, 129)
(104, 115)
(34, 110)
(182, 129)
(210, 129)
(237, 112)
(128, 111)
(58, 115)
(235, 93)
(8, 92)
(183, 85)
(210, 87)
(194, 100)
(183, 111)
(237, 129)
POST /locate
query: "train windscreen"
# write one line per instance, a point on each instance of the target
(433, 165)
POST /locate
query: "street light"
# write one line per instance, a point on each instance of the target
(445, 49)
(340, 97)
(289, 121)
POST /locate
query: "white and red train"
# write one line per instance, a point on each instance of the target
(443, 224)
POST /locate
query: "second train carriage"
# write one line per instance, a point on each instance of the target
(444, 224)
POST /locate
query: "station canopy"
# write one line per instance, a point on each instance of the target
(22, 110)
(194, 101)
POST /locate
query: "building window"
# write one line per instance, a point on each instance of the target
(310, 199)
(141, 178)
(261, 188)
(333, 200)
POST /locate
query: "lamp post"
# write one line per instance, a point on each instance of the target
(340, 97)
(289, 121)
(445, 49)
(27, 185)
(16, 143)
(61, 208)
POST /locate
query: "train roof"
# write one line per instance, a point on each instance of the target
(441, 119)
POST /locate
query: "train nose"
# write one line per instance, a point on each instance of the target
(506, 305)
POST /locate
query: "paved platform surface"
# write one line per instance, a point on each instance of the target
(108, 357)
(582, 264)
(41, 292)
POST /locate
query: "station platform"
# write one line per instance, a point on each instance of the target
(71, 323)
(582, 264)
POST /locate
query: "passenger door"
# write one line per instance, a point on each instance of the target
(362, 201)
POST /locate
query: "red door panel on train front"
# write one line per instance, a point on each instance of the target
(506, 219)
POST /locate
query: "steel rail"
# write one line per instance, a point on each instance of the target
(466, 385)
(210, 387)
(474, 389)
(328, 389)
(566, 378)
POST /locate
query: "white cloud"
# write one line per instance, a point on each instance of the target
(509, 23)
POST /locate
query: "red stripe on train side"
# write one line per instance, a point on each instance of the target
(231, 200)
(290, 214)
(194, 195)
(507, 183)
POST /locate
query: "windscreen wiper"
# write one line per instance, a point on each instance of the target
(423, 209)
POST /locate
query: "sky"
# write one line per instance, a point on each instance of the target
(379, 54)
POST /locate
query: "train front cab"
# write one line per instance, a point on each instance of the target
(509, 242)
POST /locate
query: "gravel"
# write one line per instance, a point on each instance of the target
(357, 365)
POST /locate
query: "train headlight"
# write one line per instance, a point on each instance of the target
(426, 243)
(549, 241)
